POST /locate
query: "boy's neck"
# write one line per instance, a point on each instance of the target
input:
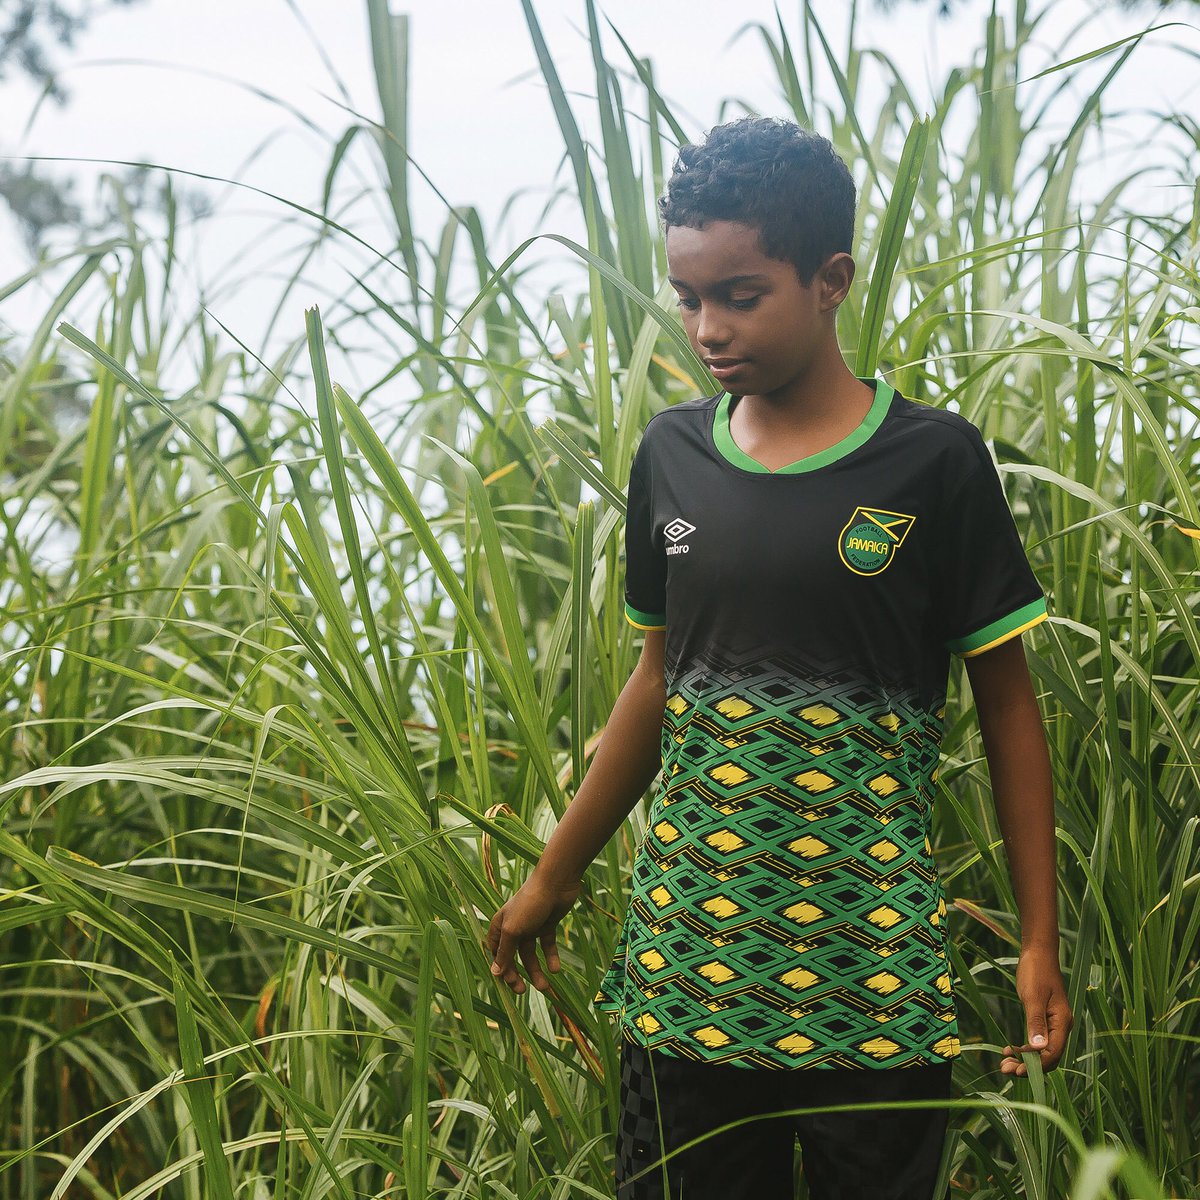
(828, 396)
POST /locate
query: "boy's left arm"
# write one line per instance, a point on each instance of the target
(1014, 741)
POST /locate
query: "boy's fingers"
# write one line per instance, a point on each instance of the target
(533, 968)
(503, 966)
(550, 950)
(1011, 1063)
(513, 978)
(494, 942)
(1060, 1027)
(1014, 1064)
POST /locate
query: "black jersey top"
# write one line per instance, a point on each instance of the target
(786, 910)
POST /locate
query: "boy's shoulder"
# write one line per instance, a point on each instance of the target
(954, 433)
(956, 440)
(680, 422)
(686, 408)
(954, 426)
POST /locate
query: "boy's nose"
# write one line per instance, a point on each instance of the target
(711, 331)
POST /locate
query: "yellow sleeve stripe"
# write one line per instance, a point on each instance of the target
(1004, 637)
(645, 620)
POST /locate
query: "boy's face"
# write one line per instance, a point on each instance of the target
(757, 328)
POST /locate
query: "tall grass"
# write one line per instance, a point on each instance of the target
(310, 691)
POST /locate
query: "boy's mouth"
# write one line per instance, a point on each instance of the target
(722, 367)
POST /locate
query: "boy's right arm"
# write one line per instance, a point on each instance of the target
(625, 763)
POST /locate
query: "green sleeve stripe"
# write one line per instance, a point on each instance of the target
(1000, 631)
(643, 620)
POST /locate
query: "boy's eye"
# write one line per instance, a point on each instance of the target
(742, 305)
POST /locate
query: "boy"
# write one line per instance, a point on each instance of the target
(804, 549)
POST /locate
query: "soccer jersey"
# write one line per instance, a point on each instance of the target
(786, 910)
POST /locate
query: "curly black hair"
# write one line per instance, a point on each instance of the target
(774, 175)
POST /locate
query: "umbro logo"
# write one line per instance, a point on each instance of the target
(677, 529)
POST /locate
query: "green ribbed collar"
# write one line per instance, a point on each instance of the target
(739, 458)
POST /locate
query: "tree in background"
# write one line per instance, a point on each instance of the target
(31, 32)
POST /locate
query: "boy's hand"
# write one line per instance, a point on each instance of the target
(533, 913)
(1047, 1014)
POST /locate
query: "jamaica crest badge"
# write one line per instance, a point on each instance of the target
(869, 540)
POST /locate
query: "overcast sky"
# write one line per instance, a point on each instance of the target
(142, 87)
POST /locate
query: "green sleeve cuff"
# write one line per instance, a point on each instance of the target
(644, 620)
(1016, 622)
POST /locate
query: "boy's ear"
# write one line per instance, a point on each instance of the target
(836, 276)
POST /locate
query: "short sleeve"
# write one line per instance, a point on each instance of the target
(645, 563)
(988, 592)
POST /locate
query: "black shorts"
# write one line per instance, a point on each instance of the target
(868, 1155)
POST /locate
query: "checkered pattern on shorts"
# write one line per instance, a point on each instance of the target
(637, 1132)
(883, 1154)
